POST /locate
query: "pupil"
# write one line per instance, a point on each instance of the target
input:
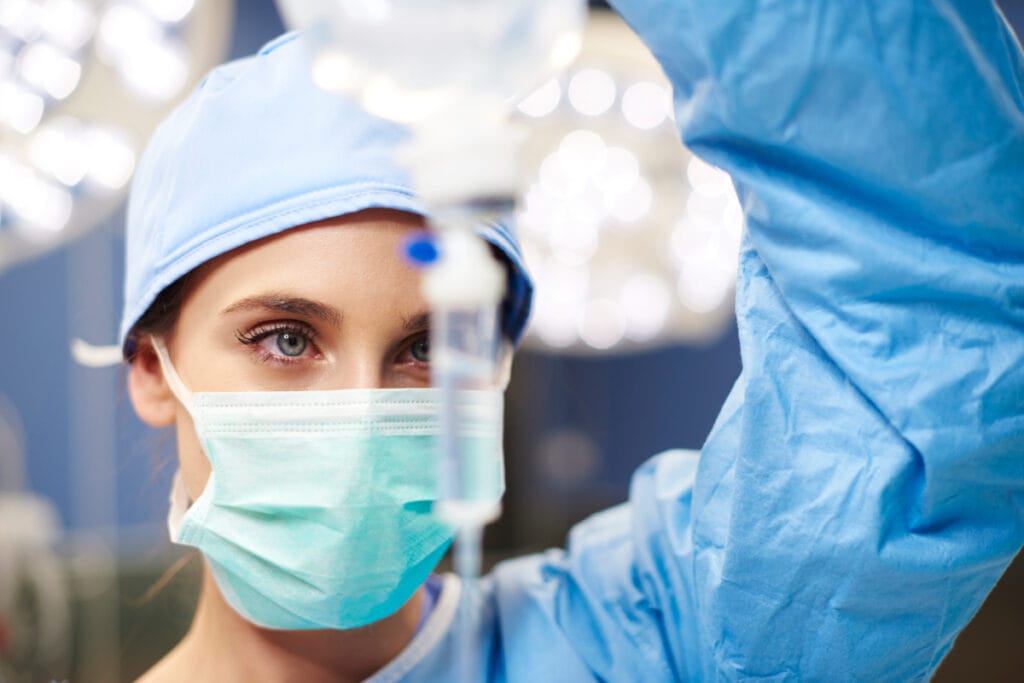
(421, 350)
(291, 344)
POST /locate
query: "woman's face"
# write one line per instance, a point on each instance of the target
(332, 305)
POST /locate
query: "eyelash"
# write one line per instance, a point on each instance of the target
(257, 334)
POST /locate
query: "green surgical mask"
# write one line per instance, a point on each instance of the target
(317, 512)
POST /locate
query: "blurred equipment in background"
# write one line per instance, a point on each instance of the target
(633, 241)
(82, 85)
(35, 629)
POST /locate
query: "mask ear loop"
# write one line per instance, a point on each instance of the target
(179, 500)
(177, 387)
(179, 504)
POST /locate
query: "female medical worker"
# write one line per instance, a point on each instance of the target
(859, 494)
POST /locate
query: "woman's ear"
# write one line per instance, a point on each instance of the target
(151, 397)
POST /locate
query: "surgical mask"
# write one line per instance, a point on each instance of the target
(317, 512)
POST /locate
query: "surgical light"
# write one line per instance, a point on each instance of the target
(632, 205)
(22, 109)
(56, 149)
(49, 69)
(111, 156)
(592, 92)
(603, 324)
(169, 11)
(42, 206)
(646, 300)
(82, 84)
(543, 100)
(646, 105)
(68, 23)
(632, 240)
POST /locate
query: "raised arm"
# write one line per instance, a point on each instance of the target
(863, 488)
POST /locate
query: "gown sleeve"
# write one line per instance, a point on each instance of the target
(863, 487)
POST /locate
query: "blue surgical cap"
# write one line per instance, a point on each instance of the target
(257, 149)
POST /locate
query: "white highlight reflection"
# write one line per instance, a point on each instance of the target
(646, 105)
(543, 100)
(592, 92)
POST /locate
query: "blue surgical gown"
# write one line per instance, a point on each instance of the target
(863, 487)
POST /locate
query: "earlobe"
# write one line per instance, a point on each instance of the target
(151, 397)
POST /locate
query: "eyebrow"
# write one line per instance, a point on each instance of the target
(286, 304)
(418, 322)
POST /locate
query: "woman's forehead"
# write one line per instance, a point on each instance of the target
(354, 263)
(350, 240)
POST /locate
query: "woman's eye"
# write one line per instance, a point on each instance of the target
(420, 349)
(291, 344)
(280, 342)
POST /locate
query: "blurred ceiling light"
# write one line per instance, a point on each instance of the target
(557, 182)
(633, 204)
(646, 300)
(125, 29)
(632, 240)
(169, 11)
(68, 23)
(543, 100)
(621, 172)
(6, 62)
(134, 39)
(646, 105)
(22, 109)
(11, 11)
(156, 71)
(574, 238)
(592, 92)
(43, 207)
(111, 156)
(603, 324)
(582, 153)
(56, 149)
(47, 68)
(82, 85)
(558, 310)
(22, 19)
(704, 282)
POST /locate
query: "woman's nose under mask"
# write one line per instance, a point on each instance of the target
(317, 510)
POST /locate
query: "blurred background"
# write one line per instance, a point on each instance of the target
(631, 351)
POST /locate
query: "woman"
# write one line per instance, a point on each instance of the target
(857, 498)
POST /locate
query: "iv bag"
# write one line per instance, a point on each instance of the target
(406, 60)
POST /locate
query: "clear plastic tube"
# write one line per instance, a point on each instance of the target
(463, 359)
(464, 290)
(454, 82)
(468, 566)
